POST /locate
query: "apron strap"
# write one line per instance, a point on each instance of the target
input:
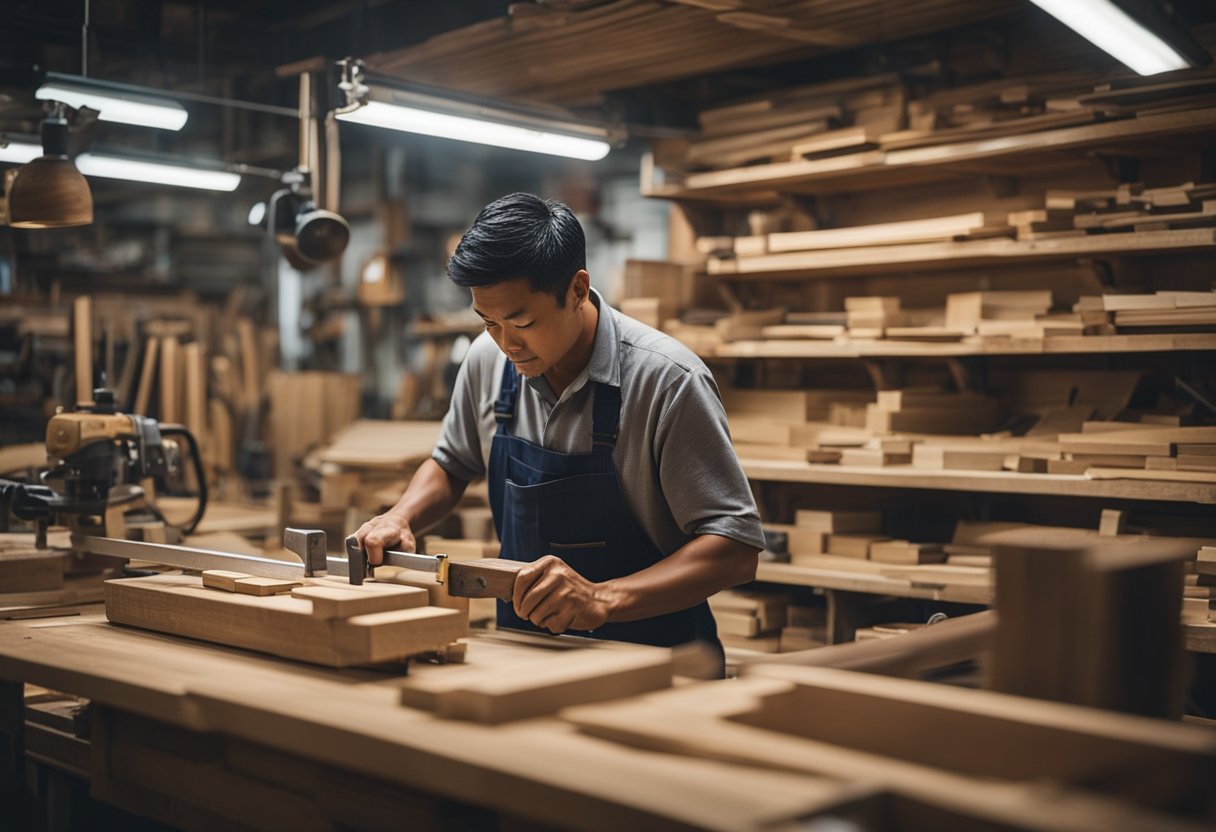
(504, 406)
(605, 417)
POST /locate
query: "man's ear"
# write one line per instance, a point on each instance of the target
(580, 287)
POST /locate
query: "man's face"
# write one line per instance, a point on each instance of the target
(528, 326)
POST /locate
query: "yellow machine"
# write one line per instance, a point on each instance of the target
(101, 464)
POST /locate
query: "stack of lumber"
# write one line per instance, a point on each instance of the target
(932, 411)
(1130, 207)
(997, 313)
(1137, 450)
(844, 534)
(965, 115)
(818, 121)
(1160, 311)
(328, 622)
(799, 425)
(869, 317)
(750, 619)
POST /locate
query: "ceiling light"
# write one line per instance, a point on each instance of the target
(413, 120)
(1112, 30)
(451, 117)
(49, 192)
(113, 103)
(115, 167)
(19, 152)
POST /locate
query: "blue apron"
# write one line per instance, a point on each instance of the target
(571, 505)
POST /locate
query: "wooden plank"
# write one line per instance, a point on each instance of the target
(541, 686)
(889, 233)
(170, 393)
(349, 601)
(147, 373)
(280, 625)
(82, 348)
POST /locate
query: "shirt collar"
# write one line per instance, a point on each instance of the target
(605, 364)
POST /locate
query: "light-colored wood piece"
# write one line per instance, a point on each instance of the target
(348, 601)
(264, 586)
(82, 348)
(224, 579)
(279, 624)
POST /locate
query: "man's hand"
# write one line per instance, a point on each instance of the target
(550, 594)
(383, 532)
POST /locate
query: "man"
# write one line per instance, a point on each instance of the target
(605, 444)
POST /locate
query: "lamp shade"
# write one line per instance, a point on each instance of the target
(49, 192)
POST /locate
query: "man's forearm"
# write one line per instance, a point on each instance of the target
(705, 565)
(430, 496)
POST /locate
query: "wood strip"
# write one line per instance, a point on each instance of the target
(82, 348)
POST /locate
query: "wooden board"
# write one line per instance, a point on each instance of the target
(759, 721)
(543, 685)
(27, 569)
(280, 625)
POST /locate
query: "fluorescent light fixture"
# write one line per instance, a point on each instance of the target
(1113, 31)
(20, 152)
(115, 105)
(460, 128)
(114, 167)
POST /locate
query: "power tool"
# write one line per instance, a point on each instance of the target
(101, 464)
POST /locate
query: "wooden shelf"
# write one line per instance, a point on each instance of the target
(933, 163)
(785, 573)
(873, 260)
(988, 482)
(1056, 345)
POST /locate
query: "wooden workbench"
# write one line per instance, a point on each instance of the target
(541, 771)
(196, 735)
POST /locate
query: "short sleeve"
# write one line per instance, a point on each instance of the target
(702, 481)
(458, 450)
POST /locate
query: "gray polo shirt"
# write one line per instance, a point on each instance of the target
(673, 453)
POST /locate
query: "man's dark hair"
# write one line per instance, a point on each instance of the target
(521, 235)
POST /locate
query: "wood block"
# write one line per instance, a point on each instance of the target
(1112, 522)
(873, 458)
(737, 623)
(761, 644)
(852, 545)
(544, 685)
(349, 601)
(280, 625)
(838, 522)
(907, 553)
(222, 579)
(396, 634)
(461, 549)
(264, 586)
(801, 541)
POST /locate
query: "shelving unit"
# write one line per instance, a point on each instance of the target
(1055, 345)
(876, 260)
(843, 190)
(983, 482)
(921, 165)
